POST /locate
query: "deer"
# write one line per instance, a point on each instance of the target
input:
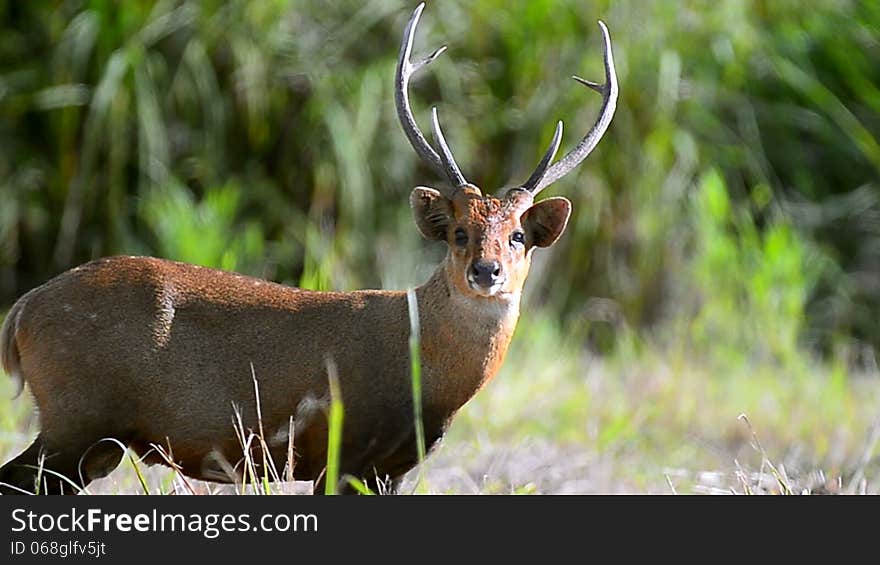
(152, 352)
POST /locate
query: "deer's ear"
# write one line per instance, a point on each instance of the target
(546, 220)
(432, 212)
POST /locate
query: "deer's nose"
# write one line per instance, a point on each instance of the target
(485, 273)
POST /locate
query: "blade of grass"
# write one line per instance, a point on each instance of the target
(41, 461)
(416, 378)
(290, 457)
(249, 474)
(15, 488)
(268, 464)
(140, 476)
(334, 431)
(168, 457)
(358, 485)
(781, 479)
(859, 475)
(41, 470)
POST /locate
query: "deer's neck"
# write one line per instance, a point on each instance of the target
(463, 341)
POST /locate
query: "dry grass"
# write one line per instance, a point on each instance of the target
(556, 421)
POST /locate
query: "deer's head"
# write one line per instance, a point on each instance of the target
(491, 239)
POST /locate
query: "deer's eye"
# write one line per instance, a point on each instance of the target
(518, 238)
(461, 237)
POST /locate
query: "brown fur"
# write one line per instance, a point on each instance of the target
(150, 351)
(9, 360)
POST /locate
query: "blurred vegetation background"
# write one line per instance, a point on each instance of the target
(740, 176)
(731, 215)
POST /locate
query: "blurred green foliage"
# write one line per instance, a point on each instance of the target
(759, 277)
(736, 190)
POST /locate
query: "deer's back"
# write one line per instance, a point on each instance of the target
(164, 349)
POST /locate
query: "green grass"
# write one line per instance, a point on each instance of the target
(559, 420)
(718, 261)
(335, 417)
(638, 417)
(415, 357)
(663, 411)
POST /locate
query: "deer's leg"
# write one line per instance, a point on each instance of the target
(59, 470)
(19, 475)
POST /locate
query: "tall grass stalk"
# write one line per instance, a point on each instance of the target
(168, 456)
(268, 463)
(249, 474)
(334, 431)
(416, 377)
(42, 471)
(142, 481)
(291, 461)
(778, 474)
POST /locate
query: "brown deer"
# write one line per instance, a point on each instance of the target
(156, 353)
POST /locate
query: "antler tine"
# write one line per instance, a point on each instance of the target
(405, 69)
(609, 92)
(541, 170)
(450, 167)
